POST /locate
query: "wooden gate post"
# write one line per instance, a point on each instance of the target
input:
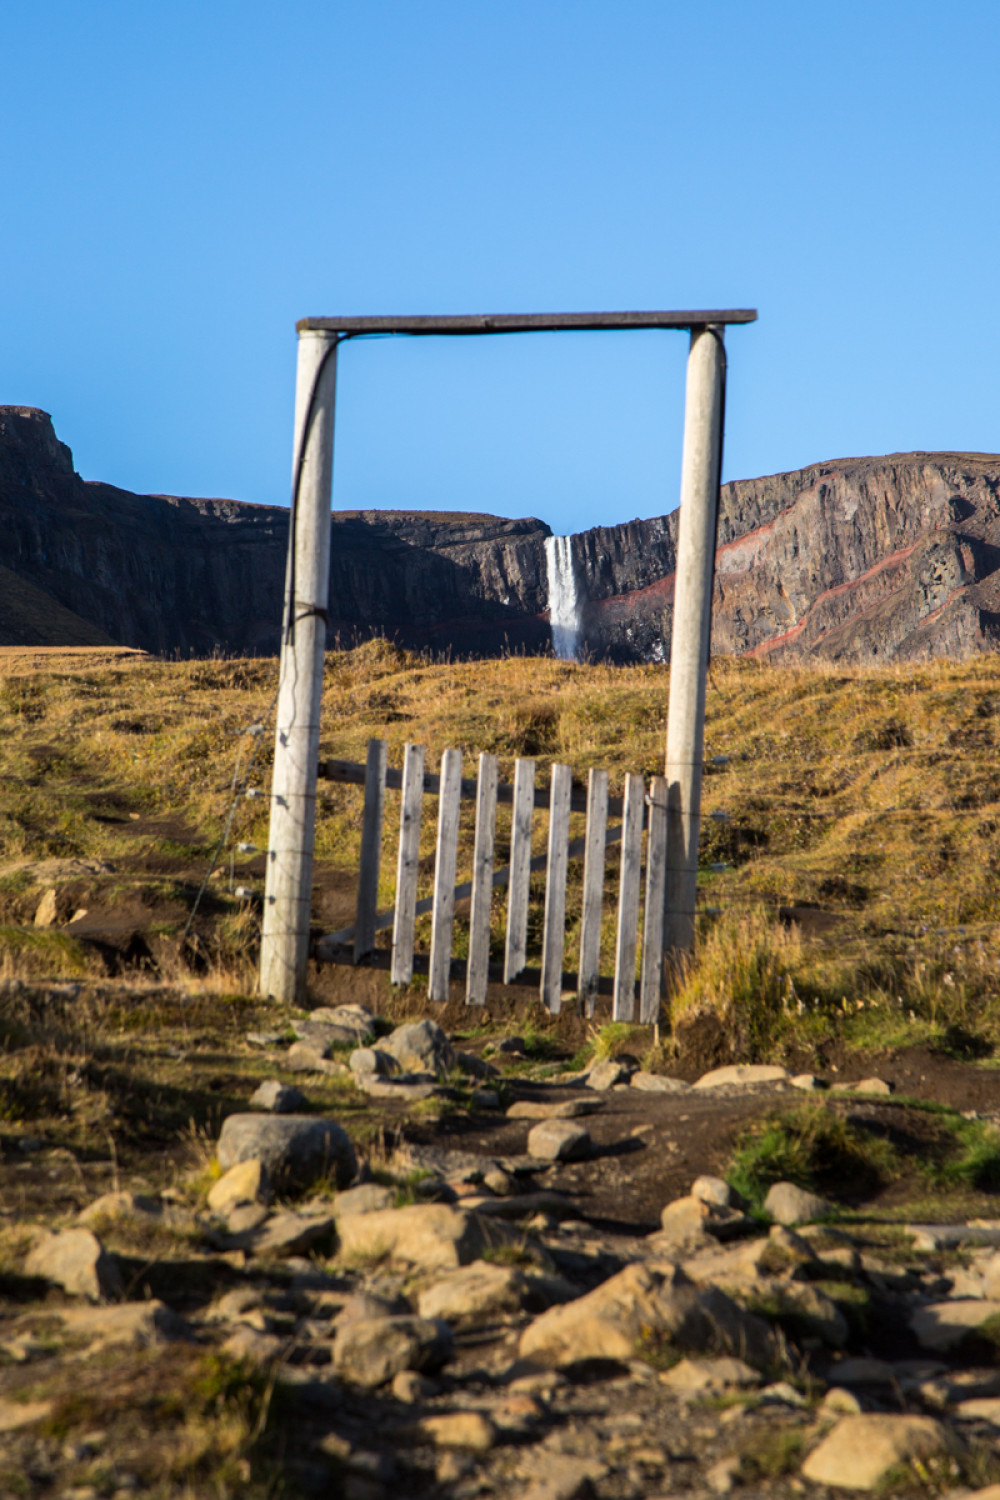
(284, 948)
(692, 629)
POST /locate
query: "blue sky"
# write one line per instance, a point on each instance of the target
(182, 182)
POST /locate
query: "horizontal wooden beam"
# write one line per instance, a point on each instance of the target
(353, 774)
(527, 322)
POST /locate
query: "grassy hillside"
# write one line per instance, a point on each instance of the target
(861, 894)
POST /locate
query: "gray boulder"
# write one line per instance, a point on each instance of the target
(788, 1204)
(369, 1352)
(420, 1047)
(295, 1150)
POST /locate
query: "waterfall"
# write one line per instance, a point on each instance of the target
(564, 605)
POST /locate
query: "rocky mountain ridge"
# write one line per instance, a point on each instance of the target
(853, 560)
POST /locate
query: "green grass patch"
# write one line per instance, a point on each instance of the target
(816, 1148)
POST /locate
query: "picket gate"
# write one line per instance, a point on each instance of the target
(643, 815)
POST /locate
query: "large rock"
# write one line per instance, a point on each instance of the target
(371, 1351)
(945, 1325)
(790, 1205)
(420, 1047)
(604, 1075)
(476, 1293)
(742, 1075)
(141, 1324)
(245, 1183)
(558, 1140)
(77, 1261)
(430, 1236)
(861, 1450)
(641, 1305)
(296, 1150)
(658, 1083)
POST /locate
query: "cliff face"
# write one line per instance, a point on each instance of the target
(857, 560)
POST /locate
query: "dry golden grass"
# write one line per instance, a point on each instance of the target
(872, 794)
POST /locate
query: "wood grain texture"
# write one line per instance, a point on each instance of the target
(650, 986)
(628, 900)
(478, 972)
(554, 929)
(443, 919)
(408, 864)
(515, 952)
(371, 849)
(595, 845)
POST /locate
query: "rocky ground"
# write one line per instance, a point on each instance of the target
(536, 1292)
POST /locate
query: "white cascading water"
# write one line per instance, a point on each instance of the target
(564, 604)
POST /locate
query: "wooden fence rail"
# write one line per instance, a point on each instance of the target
(640, 810)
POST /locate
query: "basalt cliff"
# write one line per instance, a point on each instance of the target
(857, 560)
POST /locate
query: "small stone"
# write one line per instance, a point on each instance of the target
(604, 1075)
(468, 1430)
(46, 911)
(979, 1409)
(944, 1325)
(291, 1234)
(808, 1083)
(395, 1088)
(512, 1044)
(475, 1293)
(560, 1109)
(244, 1183)
(658, 1083)
(561, 1476)
(781, 1393)
(303, 1057)
(871, 1086)
(371, 1352)
(77, 1261)
(279, 1098)
(367, 1198)
(714, 1191)
(17, 1414)
(862, 1449)
(142, 1324)
(742, 1075)
(431, 1236)
(409, 1386)
(838, 1402)
(722, 1476)
(558, 1140)
(249, 1344)
(296, 1150)
(790, 1205)
(485, 1099)
(499, 1182)
(420, 1047)
(372, 1060)
(245, 1218)
(694, 1377)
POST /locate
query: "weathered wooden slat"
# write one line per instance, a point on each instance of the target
(371, 850)
(411, 810)
(520, 874)
(444, 875)
(554, 930)
(327, 945)
(628, 900)
(477, 973)
(593, 887)
(350, 773)
(656, 885)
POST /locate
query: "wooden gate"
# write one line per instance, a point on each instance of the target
(640, 811)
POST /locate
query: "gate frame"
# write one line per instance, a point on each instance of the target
(285, 933)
